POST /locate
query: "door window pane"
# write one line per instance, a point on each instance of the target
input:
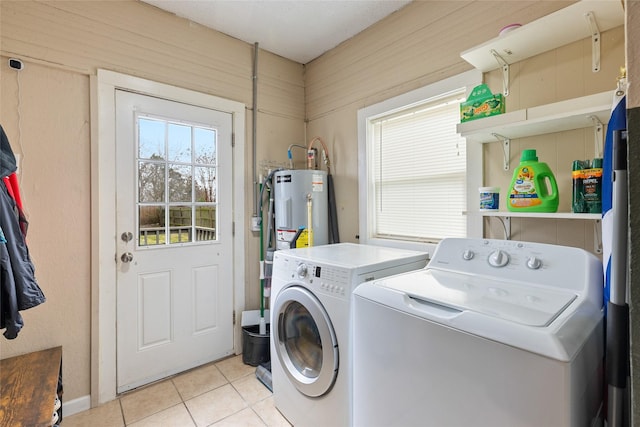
(179, 143)
(180, 178)
(205, 180)
(151, 220)
(181, 184)
(152, 137)
(204, 141)
(180, 224)
(151, 182)
(205, 223)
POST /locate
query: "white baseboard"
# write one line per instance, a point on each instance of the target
(76, 405)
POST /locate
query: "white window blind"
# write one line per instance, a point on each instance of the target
(419, 171)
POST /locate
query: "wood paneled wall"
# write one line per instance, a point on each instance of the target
(421, 44)
(62, 43)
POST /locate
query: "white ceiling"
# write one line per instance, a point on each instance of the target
(300, 30)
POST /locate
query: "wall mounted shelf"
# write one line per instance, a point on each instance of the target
(580, 20)
(560, 116)
(549, 215)
(549, 32)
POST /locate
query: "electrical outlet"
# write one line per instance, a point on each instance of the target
(16, 64)
(255, 223)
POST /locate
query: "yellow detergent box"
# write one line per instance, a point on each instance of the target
(481, 103)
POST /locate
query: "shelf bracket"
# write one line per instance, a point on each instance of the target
(506, 149)
(506, 224)
(597, 237)
(505, 72)
(598, 135)
(595, 41)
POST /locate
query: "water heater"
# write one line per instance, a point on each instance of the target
(301, 201)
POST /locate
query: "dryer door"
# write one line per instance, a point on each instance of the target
(305, 341)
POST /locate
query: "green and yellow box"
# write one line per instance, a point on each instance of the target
(481, 103)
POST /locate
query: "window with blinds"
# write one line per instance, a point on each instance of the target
(414, 169)
(418, 171)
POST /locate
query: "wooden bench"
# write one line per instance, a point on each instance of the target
(28, 386)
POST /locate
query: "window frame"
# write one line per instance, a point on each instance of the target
(467, 80)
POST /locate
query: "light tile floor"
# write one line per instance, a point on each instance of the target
(221, 394)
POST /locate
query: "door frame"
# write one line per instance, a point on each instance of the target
(103, 213)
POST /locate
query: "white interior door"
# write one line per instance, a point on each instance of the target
(174, 237)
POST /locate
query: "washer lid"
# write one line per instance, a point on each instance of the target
(511, 301)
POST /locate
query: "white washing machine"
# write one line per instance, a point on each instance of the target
(491, 333)
(310, 325)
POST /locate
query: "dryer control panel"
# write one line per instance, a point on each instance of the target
(326, 279)
(320, 278)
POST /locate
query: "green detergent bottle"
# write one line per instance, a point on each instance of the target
(533, 187)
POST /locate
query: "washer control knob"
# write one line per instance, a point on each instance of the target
(467, 254)
(301, 271)
(498, 258)
(534, 263)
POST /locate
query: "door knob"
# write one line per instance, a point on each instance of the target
(127, 257)
(127, 236)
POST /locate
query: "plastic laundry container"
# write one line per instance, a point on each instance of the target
(489, 198)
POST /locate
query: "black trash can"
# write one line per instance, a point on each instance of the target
(255, 347)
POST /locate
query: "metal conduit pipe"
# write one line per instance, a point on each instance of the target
(255, 134)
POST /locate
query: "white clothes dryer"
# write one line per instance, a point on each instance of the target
(310, 325)
(491, 333)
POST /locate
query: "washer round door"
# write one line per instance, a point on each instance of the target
(305, 341)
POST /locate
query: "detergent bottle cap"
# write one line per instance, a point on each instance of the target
(529, 156)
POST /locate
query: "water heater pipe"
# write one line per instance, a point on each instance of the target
(290, 154)
(325, 153)
(310, 220)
